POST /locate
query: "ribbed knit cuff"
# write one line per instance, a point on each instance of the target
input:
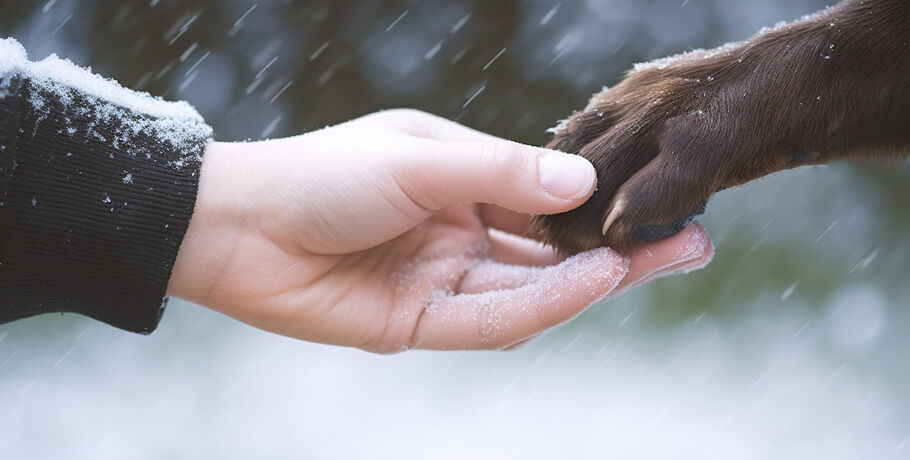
(97, 205)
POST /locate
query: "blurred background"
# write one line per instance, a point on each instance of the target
(792, 344)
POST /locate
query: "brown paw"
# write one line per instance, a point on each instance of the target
(672, 134)
(661, 144)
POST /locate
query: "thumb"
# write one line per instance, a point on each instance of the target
(508, 174)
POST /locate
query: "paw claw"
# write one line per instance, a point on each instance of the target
(615, 212)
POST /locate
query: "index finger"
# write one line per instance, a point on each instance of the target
(498, 305)
(498, 318)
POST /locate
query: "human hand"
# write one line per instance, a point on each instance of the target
(400, 230)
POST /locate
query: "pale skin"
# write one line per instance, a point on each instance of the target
(400, 230)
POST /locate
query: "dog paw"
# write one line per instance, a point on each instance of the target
(662, 142)
(675, 132)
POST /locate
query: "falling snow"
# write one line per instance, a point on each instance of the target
(798, 327)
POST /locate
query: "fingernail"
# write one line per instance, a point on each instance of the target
(680, 266)
(566, 176)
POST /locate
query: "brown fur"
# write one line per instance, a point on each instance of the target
(836, 85)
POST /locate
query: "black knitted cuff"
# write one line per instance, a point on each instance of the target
(98, 202)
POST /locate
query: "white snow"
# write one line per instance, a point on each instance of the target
(53, 72)
(561, 126)
(177, 122)
(472, 293)
(12, 57)
(664, 62)
(547, 17)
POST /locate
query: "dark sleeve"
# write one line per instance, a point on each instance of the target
(97, 187)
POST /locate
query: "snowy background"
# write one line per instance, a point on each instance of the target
(794, 343)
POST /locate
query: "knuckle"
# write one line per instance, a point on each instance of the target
(408, 116)
(401, 118)
(402, 112)
(505, 159)
(410, 121)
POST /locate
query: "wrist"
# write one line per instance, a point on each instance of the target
(212, 232)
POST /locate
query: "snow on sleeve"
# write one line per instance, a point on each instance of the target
(12, 57)
(53, 73)
(105, 100)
